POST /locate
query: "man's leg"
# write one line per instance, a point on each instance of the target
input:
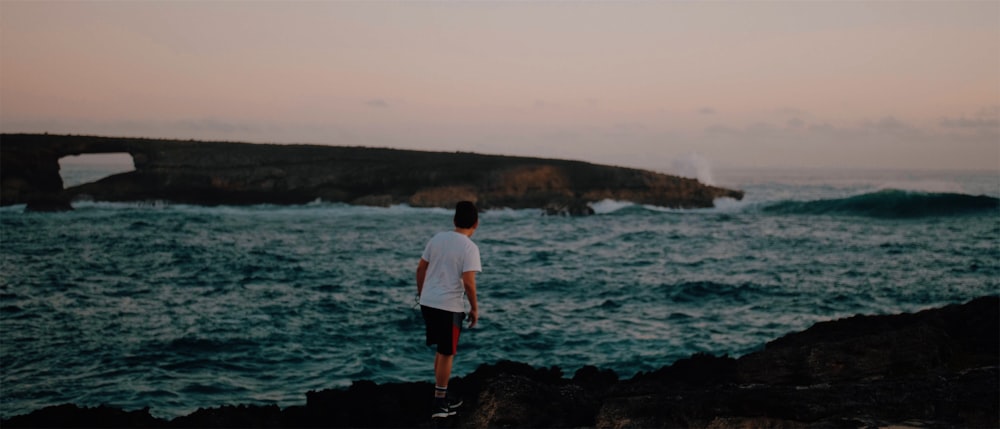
(442, 369)
(447, 343)
(442, 362)
(442, 373)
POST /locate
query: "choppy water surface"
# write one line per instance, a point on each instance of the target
(178, 307)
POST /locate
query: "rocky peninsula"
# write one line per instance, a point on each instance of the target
(933, 368)
(222, 173)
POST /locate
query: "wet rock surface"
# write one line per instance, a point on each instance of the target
(934, 368)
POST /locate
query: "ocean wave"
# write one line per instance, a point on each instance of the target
(700, 291)
(617, 207)
(893, 204)
(610, 206)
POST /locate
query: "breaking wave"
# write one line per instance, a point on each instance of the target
(893, 204)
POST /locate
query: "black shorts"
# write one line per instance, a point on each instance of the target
(443, 328)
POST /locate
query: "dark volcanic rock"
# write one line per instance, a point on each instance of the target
(964, 399)
(366, 404)
(72, 416)
(242, 416)
(877, 347)
(935, 368)
(214, 173)
(49, 202)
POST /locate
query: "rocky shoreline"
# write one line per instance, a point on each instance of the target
(224, 173)
(933, 368)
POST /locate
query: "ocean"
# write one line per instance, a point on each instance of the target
(176, 307)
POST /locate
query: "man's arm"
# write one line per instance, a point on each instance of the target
(469, 282)
(421, 275)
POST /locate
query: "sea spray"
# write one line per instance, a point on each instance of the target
(695, 166)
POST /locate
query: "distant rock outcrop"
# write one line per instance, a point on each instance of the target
(935, 368)
(214, 173)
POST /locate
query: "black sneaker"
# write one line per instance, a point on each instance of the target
(443, 407)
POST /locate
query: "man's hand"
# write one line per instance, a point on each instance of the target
(473, 318)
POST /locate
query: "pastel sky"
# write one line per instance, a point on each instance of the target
(858, 84)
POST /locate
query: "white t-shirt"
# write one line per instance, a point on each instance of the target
(449, 255)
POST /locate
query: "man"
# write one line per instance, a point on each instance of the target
(446, 271)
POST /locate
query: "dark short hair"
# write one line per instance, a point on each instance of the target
(466, 214)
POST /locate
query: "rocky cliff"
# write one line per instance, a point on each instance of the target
(934, 368)
(213, 173)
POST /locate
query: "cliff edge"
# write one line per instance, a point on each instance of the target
(215, 173)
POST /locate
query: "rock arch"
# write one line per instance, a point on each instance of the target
(29, 166)
(86, 168)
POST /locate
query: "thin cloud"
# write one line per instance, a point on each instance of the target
(986, 122)
(796, 131)
(791, 111)
(211, 125)
(888, 124)
(974, 123)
